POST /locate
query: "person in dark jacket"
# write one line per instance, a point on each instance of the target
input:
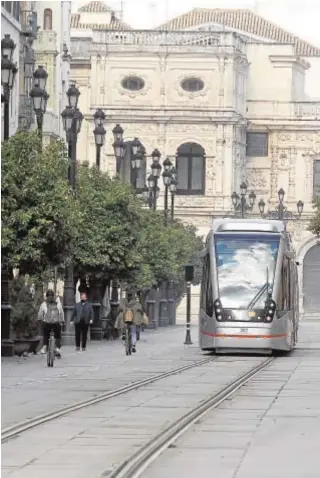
(82, 317)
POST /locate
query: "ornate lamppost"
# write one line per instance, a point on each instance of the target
(99, 133)
(8, 73)
(240, 203)
(173, 189)
(72, 120)
(166, 176)
(281, 212)
(39, 95)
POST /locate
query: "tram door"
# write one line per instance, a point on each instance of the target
(311, 281)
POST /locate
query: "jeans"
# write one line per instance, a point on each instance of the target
(81, 329)
(56, 328)
(133, 330)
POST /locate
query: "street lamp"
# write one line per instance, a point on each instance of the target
(240, 203)
(155, 174)
(173, 189)
(166, 176)
(281, 212)
(8, 73)
(72, 121)
(99, 133)
(39, 96)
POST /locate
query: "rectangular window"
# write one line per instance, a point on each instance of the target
(316, 179)
(257, 144)
(191, 174)
(8, 6)
(138, 177)
(16, 10)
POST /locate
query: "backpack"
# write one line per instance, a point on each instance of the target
(128, 316)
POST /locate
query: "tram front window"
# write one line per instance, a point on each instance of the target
(246, 265)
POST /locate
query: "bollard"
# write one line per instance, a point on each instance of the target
(189, 274)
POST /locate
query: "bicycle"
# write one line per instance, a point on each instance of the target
(128, 339)
(51, 352)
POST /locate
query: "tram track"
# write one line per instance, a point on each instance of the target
(17, 429)
(135, 465)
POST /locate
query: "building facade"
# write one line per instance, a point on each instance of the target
(10, 24)
(53, 53)
(224, 94)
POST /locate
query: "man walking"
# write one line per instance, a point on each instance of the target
(82, 317)
(51, 315)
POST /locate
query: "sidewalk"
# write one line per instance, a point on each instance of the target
(30, 388)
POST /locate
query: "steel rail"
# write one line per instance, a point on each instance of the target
(16, 429)
(134, 466)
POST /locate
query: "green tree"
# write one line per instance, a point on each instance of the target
(314, 225)
(38, 221)
(109, 226)
(165, 251)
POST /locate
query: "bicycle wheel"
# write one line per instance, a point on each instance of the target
(128, 341)
(51, 352)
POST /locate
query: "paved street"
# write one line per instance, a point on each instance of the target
(269, 429)
(256, 434)
(30, 388)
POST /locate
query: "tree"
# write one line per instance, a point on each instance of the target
(165, 251)
(314, 225)
(109, 226)
(38, 219)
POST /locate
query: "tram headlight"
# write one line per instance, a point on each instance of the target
(269, 319)
(218, 311)
(270, 311)
(219, 317)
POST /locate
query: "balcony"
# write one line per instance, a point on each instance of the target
(46, 42)
(281, 110)
(29, 25)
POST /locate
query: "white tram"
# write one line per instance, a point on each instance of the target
(249, 290)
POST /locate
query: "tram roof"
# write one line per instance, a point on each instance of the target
(247, 225)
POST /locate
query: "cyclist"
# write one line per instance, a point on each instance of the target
(130, 303)
(52, 317)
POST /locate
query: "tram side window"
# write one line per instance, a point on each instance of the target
(204, 284)
(285, 285)
(209, 295)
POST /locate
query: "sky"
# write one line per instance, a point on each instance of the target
(301, 17)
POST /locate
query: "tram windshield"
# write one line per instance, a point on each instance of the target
(246, 266)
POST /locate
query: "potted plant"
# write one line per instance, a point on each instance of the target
(23, 317)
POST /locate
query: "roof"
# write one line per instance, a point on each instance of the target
(244, 20)
(97, 7)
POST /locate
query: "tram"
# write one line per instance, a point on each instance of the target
(249, 299)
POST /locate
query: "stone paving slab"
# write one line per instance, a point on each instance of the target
(273, 435)
(93, 440)
(30, 388)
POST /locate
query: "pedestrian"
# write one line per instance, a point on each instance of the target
(52, 317)
(130, 303)
(82, 317)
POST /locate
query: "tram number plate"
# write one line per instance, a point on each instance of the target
(244, 331)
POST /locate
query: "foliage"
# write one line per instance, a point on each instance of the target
(165, 251)
(314, 225)
(104, 229)
(23, 312)
(38, 220)
(109, 226)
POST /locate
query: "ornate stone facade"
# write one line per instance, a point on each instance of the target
(242, 92)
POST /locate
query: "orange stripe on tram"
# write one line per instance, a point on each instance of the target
(242, 336)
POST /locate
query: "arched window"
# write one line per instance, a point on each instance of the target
(190, 166)
(47, 19)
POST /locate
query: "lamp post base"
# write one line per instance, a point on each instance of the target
(7, 348)
(188, 340)
(68, 337)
